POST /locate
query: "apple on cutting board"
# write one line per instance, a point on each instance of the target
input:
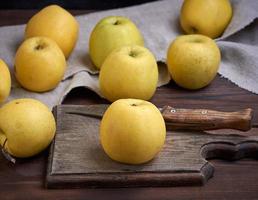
(110, 33)
(132, 131)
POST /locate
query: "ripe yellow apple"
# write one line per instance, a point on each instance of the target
(207, 17)
(110, 33)
(129, 72)
(5, 81)
(132, 131)
(27, 127)
(193, 60)
(39, 64)
(56, 23)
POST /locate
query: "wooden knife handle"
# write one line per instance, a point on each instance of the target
(203, 119)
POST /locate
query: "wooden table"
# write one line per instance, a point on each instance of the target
(232, 180)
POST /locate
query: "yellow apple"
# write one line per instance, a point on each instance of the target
(56, 23)
(207, 17)
(5, 81)
(110, 33)
(27, 127)
(39, 64)
(132, 131)
(129, 72)
(193, 60)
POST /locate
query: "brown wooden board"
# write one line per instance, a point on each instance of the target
(76, 158)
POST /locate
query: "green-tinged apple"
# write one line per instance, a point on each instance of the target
(207, 17)
(129, 72)
(5, 81)
(39, 64)
(193, 61)
(27, 127)
(56, 23)
(132, 131)
(110, 33)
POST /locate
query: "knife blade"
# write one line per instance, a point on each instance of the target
(185, 119)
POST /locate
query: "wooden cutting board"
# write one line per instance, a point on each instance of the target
(76, 158)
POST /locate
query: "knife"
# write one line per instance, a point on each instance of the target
(185, 119)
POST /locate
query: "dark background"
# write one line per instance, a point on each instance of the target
(70, 4)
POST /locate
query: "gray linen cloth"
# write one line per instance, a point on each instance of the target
(159, 24)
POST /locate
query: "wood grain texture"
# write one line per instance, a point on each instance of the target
(77, 159)
(19, 16)
(221, 95)
(232, 180)
(189, 119)
(75, 4)
(205, 119)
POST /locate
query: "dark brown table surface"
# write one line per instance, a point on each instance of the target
(232, 180)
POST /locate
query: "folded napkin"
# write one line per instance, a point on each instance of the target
(158, 21)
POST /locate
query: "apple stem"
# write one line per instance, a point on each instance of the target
(6, 154)
(132, 54)
(116, 22)
(39, 47)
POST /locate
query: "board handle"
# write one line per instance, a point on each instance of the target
(203, 119)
